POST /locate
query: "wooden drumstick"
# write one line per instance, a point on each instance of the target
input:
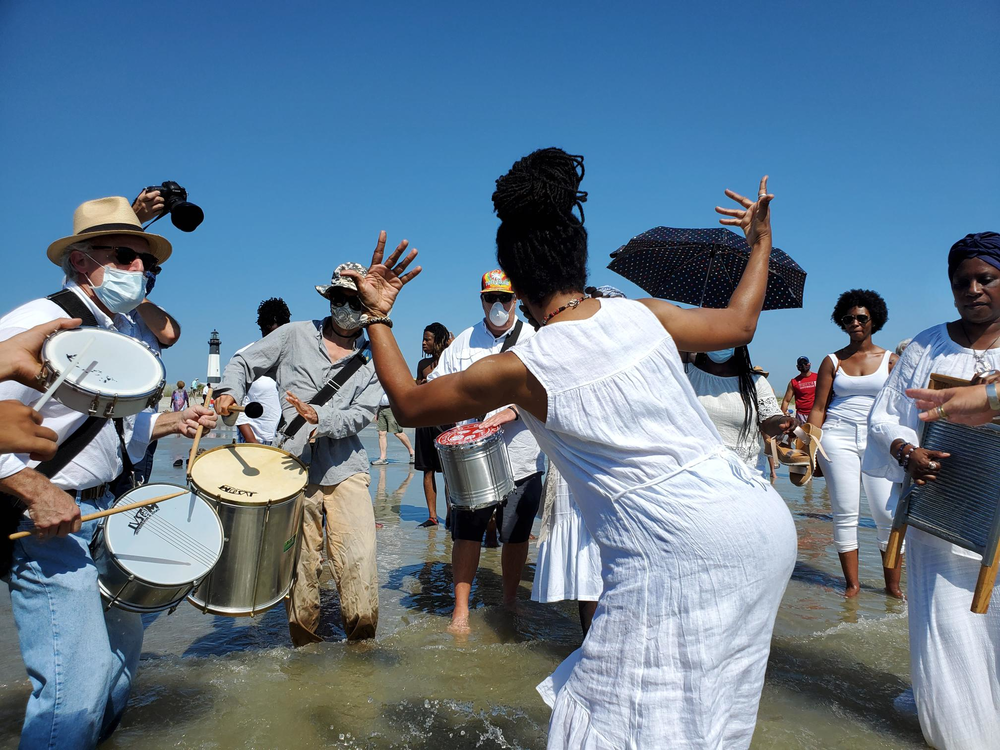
(197, 435)
(252, 409)
(37, 406)
(110, 512)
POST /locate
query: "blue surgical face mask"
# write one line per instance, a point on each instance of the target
(121, 291)
(721, 355)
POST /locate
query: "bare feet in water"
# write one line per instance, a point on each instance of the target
(459, 625)
(851, 591)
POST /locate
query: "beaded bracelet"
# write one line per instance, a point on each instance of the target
(899, 453)
(906, 458)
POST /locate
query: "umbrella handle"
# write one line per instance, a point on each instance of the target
(708, 274)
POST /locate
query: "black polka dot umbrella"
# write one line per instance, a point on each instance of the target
(702, 267)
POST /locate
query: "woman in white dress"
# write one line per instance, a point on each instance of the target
(740, 403)
(696, 548)
(954, 656)
(846, 386)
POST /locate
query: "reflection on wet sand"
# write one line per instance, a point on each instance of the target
(838, 673)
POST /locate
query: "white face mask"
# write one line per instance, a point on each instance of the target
(121, 291)
(498, 314)
(345, 317)
(721, 355)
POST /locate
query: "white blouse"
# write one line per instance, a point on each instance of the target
(720, 397)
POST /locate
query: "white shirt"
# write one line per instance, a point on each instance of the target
(470, 346)
(264, 391)
(100, 461)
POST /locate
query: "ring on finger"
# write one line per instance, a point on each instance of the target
(942, 414)
(933, 466)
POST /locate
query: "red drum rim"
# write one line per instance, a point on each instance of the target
(466, 433)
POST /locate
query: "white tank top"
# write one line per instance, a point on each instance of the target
(853, 395)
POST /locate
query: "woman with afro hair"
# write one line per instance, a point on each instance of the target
(696, 547)
(846, 386)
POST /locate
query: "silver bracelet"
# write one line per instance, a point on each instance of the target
(991, 396)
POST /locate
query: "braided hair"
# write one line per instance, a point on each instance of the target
(748, 389)
(271, 312)
(541, 244)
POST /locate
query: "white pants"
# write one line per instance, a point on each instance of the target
(845, 443)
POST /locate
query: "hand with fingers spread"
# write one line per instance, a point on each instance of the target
(21, 355)
(966, 405)
(23, 432)
(378, 289)
(307, 412)
(755, 216)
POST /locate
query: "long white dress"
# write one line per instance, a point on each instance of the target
(569, 560)
(954, 654)
(696, 548)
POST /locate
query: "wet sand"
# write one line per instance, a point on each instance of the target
(838, 675)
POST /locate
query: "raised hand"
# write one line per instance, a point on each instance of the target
(21, 355)
(379, 287)
(755, 216)
(149, 205)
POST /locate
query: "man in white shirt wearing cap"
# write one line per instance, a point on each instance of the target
(498, 331)
(81, 659)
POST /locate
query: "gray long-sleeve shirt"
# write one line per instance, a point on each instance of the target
(296, 357)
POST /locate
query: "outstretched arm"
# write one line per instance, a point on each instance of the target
(492, 382)
(704, 329)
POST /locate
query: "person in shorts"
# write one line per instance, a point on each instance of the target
(436, 339)
(385, 422)
(498, 331)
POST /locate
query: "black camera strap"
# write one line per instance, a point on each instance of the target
(361, 357)
(73, 306)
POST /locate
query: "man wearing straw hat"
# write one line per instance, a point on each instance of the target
(81, 659)
(308, 359)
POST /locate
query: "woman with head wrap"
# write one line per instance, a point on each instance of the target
(953, 652)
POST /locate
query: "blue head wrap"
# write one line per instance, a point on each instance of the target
(982, 245)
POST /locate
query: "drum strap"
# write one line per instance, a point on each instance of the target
(508, 343)
(361, 358)
(73, 306)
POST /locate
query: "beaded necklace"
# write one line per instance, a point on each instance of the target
(569, 305)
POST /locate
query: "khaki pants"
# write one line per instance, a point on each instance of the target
(350, 548)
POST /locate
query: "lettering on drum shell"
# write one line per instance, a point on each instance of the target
(141, 516)
(236, 491)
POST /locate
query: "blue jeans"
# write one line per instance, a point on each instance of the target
(81, 659)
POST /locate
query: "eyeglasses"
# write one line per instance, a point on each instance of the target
(125, 256)
(339, 300)
(848, 319)
(491, 298)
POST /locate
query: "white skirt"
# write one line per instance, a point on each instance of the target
(569, 560)
(954, 654)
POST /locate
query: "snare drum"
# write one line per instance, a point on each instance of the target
(476, 467)
(120, 376)
(257, 491)
(150, 558)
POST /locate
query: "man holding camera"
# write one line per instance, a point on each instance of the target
(324, 368)
(81, 659)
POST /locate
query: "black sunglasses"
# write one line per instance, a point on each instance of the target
(492, 298)
(339, 300)
(126, 256)
(848, 319)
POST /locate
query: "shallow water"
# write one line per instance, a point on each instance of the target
(838, 675)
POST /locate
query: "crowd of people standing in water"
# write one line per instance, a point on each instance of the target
(655, 434)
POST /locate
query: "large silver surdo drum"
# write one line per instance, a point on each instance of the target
(257, 492)
(148, 559)
(476, 466)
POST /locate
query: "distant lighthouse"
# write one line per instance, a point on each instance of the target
(214, 373)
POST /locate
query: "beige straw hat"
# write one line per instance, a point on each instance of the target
(106, 216)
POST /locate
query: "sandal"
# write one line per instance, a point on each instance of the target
(801, 458)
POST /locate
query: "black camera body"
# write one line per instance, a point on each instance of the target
(185, 215)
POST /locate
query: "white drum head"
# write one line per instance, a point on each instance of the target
(248, 474)
(124, 366)
(171, 543)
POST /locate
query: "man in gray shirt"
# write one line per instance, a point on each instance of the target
(303, 357)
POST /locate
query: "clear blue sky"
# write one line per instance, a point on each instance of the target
(303, 129)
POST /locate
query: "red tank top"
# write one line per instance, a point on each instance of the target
(804, 389)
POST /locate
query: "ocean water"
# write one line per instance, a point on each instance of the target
(838, 675)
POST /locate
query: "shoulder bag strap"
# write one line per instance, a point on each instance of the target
(73, 306)
(361, 357)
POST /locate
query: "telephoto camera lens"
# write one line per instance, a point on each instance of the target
(185, 215)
